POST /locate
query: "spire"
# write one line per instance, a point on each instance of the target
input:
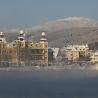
(2, 39)
(1, 35)
(43, 38)
(21, 35)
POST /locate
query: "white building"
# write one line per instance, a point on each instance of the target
(74, 52)
(94, 57)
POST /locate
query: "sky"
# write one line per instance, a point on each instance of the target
(28, 13)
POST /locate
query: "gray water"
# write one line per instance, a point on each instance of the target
(49, 84)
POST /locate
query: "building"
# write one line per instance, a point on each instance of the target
(3, 49)
(20, 48)
(76, 52)
(55, 52)
(32, 53)
(94, 57)
(38, 52)
(21, 52)
(72, 55)
(50, 55)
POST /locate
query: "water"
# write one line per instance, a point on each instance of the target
(49, 84)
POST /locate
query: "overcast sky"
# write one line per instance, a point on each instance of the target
(27, 13)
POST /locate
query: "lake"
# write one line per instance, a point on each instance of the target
(49, 84)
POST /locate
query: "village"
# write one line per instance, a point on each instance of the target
(22, 52)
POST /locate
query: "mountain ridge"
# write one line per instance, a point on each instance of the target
(69, 22)
(61, 32)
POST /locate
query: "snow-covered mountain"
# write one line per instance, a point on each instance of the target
(69, 22)
(80, 21)
(70, 30)
(59, 24)
(60, 32)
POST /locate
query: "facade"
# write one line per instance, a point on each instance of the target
(20, 52)
(72, 55)
(39, 51)
(11, 54)
(94, 57)
(50, 55)
(3, 45)
(55, 52)
(76, 52)
(20, 48)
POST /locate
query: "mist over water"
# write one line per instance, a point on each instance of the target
(49, 84)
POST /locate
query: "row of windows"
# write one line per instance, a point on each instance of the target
(38, 45)
(38, 51)
(37, 57)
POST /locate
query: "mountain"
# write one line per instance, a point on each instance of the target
(61, 32)
(70, 30)
(69, 22)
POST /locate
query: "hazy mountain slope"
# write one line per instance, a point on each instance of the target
(69, 22)
(71, 30)
(71, 36)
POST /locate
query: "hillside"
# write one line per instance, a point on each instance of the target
(70, 30)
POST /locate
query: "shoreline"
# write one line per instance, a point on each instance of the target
(50, 68)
